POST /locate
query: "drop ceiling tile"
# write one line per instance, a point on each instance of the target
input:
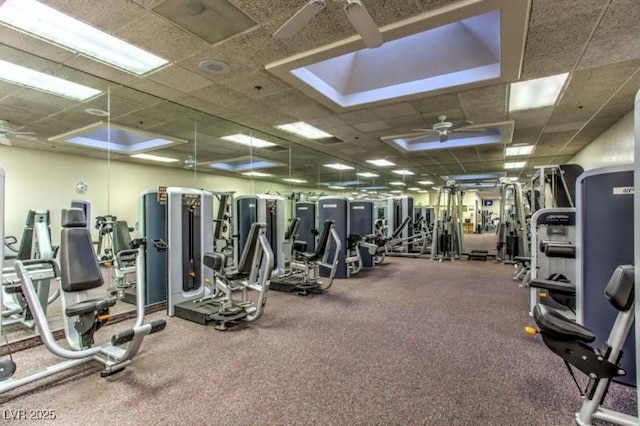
(566, 126)
(394, 110)
(256, 85)
(180, 79)
(428, 5)
(621, 18)
(483, 95)
(109, 16)
(545, 11)
(593, 86)
(565, 34)
(98, 69)
(452, 115)
(263, 47)
(371, 126)
(437, 103)
(625, 47)
(173, 45)
(34, 45)
(550, 64)
(408, 122)
(152, 88)
(327, 123)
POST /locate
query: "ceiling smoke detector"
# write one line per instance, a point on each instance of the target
(215, 67)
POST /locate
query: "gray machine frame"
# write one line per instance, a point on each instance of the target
(454, 209)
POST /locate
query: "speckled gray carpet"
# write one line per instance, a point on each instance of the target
(413, 342)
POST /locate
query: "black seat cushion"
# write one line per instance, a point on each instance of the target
(88, 306)
(300, 246)
(553, 322)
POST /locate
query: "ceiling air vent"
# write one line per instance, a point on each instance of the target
(211, 20)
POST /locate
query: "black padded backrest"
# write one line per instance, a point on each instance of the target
(121, 236)
(26, 244)
(292, 229)
(403, 225)
(244, 265)
(324, 238)
(79, 269)
(619, 291)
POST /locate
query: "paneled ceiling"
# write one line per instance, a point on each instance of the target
(596, 41)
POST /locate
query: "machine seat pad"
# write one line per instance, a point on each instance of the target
(300, 246)
(88, 306)
(557, 286)
(12, 288)
(309, 256)
(522, 259)
(234, 274)
(553, 322)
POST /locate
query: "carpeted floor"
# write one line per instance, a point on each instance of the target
(413, 342)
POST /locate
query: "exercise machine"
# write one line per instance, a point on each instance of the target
(308, 230)
(78, 272)
(223, 221)
(262, 208)
(448, 241)
(574, 343)
(304, 269)
(513, 235)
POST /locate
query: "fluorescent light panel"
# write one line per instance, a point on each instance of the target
(292, 180)
(154, 158)
(413, 189)
(536, 93)
(56, 27)
(403, 172)
(243, 139)
(44, 82)
(515, 165)
(338, 166)
(257, 174)
(381, 162)
(397, 183)
(425, 182)
(336, 187)
(513, 151)
(305, 130)
(367, 174)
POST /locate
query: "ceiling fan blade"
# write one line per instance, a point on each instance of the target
(4, 141)
(425, 130)
(444, 137)
(460, 124)
(300, 19)
(27, 136)
(474, 130)
(363, 23)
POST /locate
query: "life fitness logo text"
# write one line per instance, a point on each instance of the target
(623, 190)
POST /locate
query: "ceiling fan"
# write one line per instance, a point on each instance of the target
(355, 11)
(444, 128)
(6, 131)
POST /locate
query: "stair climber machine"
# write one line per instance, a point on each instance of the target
(447, 242)
(77, 272)
(34, 244)
(201, 286)
(302, 276)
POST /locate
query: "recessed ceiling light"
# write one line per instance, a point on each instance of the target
(397, 183)
(425, 182)
(403, 172)
(512, 151)
(336, 187)
(413, 188)
(536, 93)
(257, 174)
(292, 180)
(423, 191)
(154, 158)
(44, 82)
(56, 27)
(97, 112)
(248, 140)
(215, 67)
(305, 130)
(516, 165)
(338, 166)
(381, 162)
(396, 191)
(367, 174)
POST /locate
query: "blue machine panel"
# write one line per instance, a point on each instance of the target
(154, 228)
(605, 209)
(306, 212)
(361, 224)
(247, 213)
(336, 209)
